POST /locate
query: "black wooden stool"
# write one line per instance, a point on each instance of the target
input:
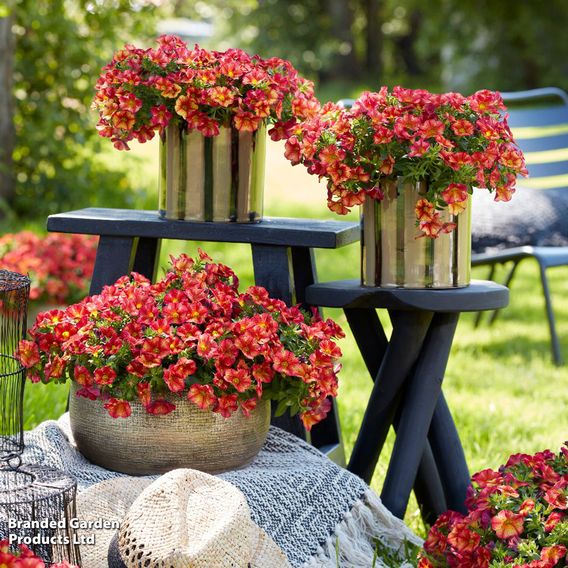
(282, 254)
(408, 371)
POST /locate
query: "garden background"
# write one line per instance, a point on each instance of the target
(505, 393)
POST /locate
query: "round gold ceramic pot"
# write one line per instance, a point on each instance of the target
(144, 444)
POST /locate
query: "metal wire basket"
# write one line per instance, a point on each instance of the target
(37, 508)
(14, 296)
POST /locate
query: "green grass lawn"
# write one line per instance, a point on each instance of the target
(505, 394)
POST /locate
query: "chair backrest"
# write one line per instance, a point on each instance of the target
(539, 121)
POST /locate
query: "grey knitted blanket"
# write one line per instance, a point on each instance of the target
(312, 508)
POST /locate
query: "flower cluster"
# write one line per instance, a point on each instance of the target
(191, 334)
(143, 90)
(60, 266)
(24, 558)
(451, 141)
(517, 516)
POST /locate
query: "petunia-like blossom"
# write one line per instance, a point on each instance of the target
(160, 407)
(28, 353)
(104, 375)
(202, 396)
(118, 408)
(507, 524)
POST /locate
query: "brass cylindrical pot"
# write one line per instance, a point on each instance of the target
(394, 255)
(144, 444)
(218, 178)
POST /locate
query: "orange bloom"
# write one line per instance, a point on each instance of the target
(28, 353)
(454, 193)
(185, 106)
(245, 121)
(424, 210)
(202, 396)
(118, 408)
(507, 524)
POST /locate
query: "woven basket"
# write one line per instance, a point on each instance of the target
(188, 437)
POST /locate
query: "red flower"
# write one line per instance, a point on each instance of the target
(82, 376)
(463, 539)
(553, 519)
(239, 378)
(202, 396)
(286, 362)
(227, 404)
(557, 496)
(118, 408)
(105, 376)
(160, 407)
(28, 353)
(507, 524)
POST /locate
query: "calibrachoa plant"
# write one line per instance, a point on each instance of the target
(24, 558)
(192, 334)
(451, 141)
(517, 516)
(143, 90)
(60, 266)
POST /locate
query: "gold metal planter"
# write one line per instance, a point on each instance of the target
(393, 257)
(143, 444)
(219, 178)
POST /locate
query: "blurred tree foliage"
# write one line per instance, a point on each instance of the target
(58, 49)
(440, 44)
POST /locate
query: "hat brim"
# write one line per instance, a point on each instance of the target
(105, 503)
(109, 501)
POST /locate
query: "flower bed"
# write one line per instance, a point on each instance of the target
(60, 266)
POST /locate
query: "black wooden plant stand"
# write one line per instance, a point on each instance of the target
(407, 371)
(282, 254)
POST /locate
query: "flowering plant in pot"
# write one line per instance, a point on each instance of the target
(192, 341)
(517, 516)
(210, 108)
(424, 148)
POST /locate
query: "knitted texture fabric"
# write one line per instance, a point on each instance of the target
(313, 509)
(534, 217)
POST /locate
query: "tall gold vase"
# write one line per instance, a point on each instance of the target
(393, 255)
(218, 178)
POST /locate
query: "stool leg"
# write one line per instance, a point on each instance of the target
(409, 330)
(420, 399)
(114, 259)
(147, 257)
(449, 455)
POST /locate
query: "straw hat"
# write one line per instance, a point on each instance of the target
(185, 519)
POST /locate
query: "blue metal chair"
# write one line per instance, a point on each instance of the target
(539, 121)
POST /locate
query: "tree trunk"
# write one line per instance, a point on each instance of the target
(373, 39)
(406, 45)
(7, 135)
(345, 64)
